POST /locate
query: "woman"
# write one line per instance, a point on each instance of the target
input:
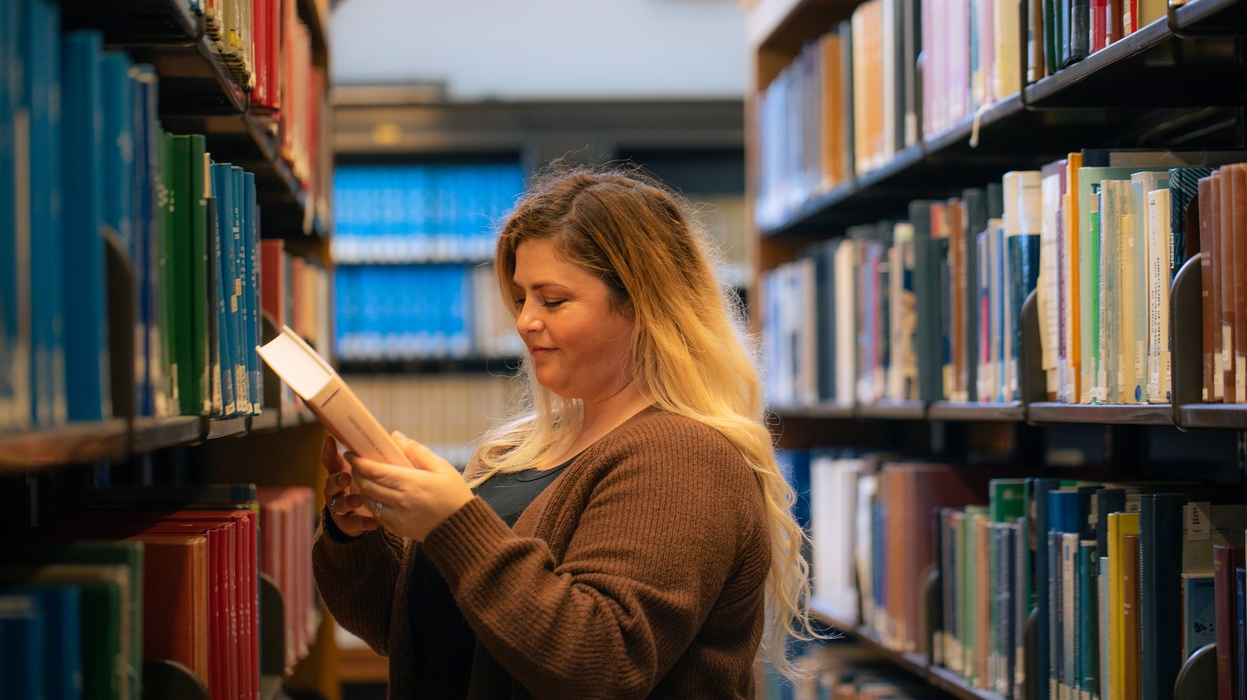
(629, 534)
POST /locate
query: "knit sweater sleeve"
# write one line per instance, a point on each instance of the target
(357, 579)
(649, 554)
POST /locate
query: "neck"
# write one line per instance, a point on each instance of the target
(604, 414)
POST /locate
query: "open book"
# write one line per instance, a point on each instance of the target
(329, 397)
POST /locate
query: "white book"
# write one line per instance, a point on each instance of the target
(1159, 379)
(1047, 292)
(1140, 263)
(329, 398)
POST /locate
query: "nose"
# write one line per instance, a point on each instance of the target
(528, 319)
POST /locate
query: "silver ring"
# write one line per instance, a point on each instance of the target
(332, 503)
(376, 513)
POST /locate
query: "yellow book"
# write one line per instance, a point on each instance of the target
(1070, 208)
(1119, 524)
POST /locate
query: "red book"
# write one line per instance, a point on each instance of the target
(1225, 559)
(1099, 19)
(273, 280)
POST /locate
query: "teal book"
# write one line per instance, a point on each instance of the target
(1088, 651)
(223, 192)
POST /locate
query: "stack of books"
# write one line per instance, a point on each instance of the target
(421, 213)
(1222, 227)
(147, 272)
(1127, 580)
(931, 308)
(105, 590)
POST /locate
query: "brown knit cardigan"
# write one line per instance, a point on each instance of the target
(639, 572)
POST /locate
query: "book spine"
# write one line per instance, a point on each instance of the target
(1208, 279)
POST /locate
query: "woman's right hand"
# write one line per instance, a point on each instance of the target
(347, 510)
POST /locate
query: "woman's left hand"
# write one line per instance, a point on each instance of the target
(412, 502)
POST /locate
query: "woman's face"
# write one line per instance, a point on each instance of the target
(580, 344)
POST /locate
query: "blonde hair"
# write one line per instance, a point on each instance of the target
(690, 349)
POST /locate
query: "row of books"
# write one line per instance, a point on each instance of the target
(267, 48)
(1222, 224)
(852, 99)
(1127, 580)
(416, 213)
(930, 308)
(296, 292)
(106, 589)
(447, 412)
(187, 228)
(415, 311)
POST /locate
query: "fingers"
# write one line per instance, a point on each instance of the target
(337, 483)
(330, 458)
(384, 490)
(420, 455)
(386, 475)
(354, 524)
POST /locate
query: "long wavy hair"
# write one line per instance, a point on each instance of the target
(690, 349)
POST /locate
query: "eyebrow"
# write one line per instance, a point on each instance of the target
(537, 286)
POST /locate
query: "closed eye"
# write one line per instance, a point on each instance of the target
(552, 304)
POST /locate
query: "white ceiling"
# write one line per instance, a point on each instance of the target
(544, 49)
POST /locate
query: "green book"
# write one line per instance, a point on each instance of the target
(180, 262)
(201, 301)
(1088, 648)
(970, 593)
(1007, 498)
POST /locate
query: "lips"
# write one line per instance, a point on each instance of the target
(538, 351)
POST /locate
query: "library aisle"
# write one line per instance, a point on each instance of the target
(992, 256)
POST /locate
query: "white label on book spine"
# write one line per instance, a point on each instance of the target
(1197, 521)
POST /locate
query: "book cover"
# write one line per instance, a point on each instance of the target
(1023, 223)
(1160, 592)
(1130, 614)
(1039, 489)
(1183, 186)
(1225, 559)
(1199, 613)
(1088, 647)
(1209, 235)
(1069, 678)
(1159, 248)
(1237, 214)
(974, 222)
(1119, 525)
(182, 204)
(202, 304)
(1223, 185)
(1240, 588)
(87, 369)
(222, 284)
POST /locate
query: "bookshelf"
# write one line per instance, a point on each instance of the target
(1177, 83)
(64, 476)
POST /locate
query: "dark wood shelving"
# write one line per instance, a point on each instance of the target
(267, 420)
(910, 662)
(822, 410)
(75, 443)
(1143, 414)
(955, 411)
(1124, 93)
(1212, 415)
(897, 410)
(227, 427)
(148, 434)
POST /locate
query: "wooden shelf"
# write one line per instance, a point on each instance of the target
(897, 410)
(1143, 414)
(1131, 88)
(148, 434)
(954, 411)
(1212, 415)
(822, 410)
(76, 443)
(916, 664)
(268, 420)
(227, 427)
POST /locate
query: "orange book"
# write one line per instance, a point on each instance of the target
(832, 110)
(1080, 389)
(1208, 282)
(1218, 297)
(1225, 187)
(1238, 229)
(1132, 625)
(175, 583)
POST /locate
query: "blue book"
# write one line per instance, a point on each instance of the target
(1240, 588)
(147, 341)
(21, 628)
(238, 306)
(252, 285)
(1039, 490)
(222, 247)
(43, 239)
(62, 656)
(118, 156)
(1023, 263)
(86, 320)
